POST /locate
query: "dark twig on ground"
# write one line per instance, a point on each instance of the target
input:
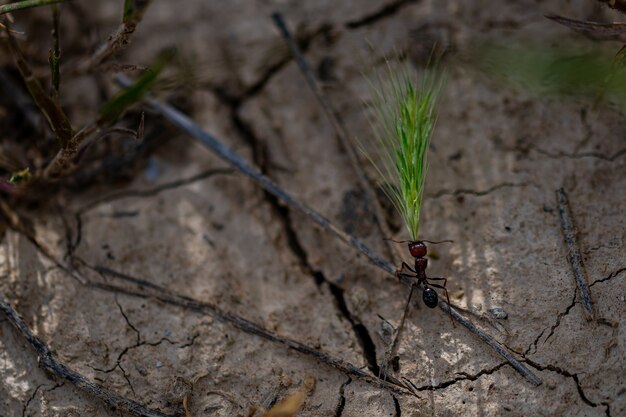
(340, 130)
(573, 252)
(186, 124)
(49, 363)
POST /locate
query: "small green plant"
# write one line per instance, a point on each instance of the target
(405, 118)
(71, 142)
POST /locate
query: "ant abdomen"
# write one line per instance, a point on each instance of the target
(430, 297)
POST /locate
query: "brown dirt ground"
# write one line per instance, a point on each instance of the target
(497, 158)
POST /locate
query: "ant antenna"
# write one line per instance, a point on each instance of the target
(436, 243)
(398, 241)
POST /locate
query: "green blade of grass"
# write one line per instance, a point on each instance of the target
(563, 70)
(114, 108)
(26, 4)
(58, 121)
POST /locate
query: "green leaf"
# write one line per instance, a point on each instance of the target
(20, 176)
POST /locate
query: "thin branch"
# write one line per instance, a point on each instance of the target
(49, 363)
(340, 130)
(186, 124)
(573, 252)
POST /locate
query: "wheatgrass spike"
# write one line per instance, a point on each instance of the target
(405, 118)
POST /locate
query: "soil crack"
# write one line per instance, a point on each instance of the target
(489, 190)
(396, 404)
(464, 377)
(574, 377)
(559, 317)
(32, 397)
(611, 276)
(128, 321)
(582, 155)
(342, 399)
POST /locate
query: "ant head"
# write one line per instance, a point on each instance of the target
(418, 249)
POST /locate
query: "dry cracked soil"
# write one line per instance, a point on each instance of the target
(208, 233)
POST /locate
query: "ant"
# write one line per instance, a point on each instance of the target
(418, 250)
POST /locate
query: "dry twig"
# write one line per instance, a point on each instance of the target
(573, 252)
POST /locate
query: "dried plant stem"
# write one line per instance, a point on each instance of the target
(186, 124)
(64, 158)
(341, 132)
(573, 253)
(49, 363)
(133, 13)
(54, 114)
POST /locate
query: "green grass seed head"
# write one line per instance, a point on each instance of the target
(405, 118)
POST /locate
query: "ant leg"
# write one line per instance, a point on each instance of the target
(405, 266)
(445, 283)
(445, 291)
(396, 339)
(402, 275)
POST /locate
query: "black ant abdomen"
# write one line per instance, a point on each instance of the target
(430, 297)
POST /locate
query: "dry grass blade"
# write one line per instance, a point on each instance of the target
(133, 13)
(58, 121)
(596, 29)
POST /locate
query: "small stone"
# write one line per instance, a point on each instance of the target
(499, 313)
(159, 364)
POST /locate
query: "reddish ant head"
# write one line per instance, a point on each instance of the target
(417, 249)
